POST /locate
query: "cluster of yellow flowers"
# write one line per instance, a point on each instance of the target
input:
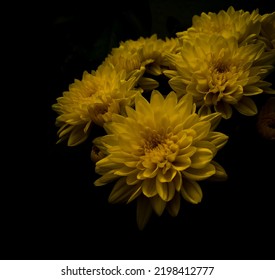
(157, 145)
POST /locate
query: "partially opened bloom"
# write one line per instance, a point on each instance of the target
(93, 100)
(220, 74)
(131, 55)
(158, 152)
(240, 24)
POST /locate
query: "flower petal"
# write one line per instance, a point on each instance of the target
(225, 109)
(144, 211)
(158, 204)
(173, 206)
(166, 191)
(191, 191)
(246, 106)
(199, 174)
(121, 192)
(201, 158)
(168, 176)
(220, 174)
(149, 187)
(106, 178)
(217, 138)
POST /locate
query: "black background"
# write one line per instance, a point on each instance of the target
(50, 208)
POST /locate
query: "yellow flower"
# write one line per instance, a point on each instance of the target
(158, 152)
(148, 52)
(219, 74)
(242, 25)
(268, 29)
(93, 100)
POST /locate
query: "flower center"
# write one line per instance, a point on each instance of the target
(152, 142)
(158, 148)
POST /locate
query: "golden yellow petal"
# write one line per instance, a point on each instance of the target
(148, 83)
(199, 174)
(147, 173)
(217, 138)
(191, 191)
(204, 110)
(190, 121)
(142, 106)
(156, 100)
(178, 85)
(173, 206)
(220, 174)
(149, 187)
(135, 194)
(106, 178)
(246, 106)
(166, 191)
(77, 136)
(105, 165)
(251, 90)
(132, 179)
(158, 205)
(144, 211)
(201, 158)
(121, 192)
(202, 129)
(168, 176)
(225, 109)
(124, 171)
(181, 163)
(214, 119)
(178, 181)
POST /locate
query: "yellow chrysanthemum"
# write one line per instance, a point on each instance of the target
(242, 25)
(268, 29)
(158, 152)
(148, 52)
(219, 74)
(93, 100)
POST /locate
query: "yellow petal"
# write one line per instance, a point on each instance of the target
(225, 109)
(121, 192)
(214, 119)
(178, 181)
(132, 179)
(218, 139)
(181, 163)
(201, 158)
(173, 206)
(246, 106)
(158, 204)
(220, 174)
(166, 191)
(124, 171)
(251, 90)
(149, 187)
(191, 191)
(168, 176)
(77, 136)
(106, 178)
(148, 83)
(202, 129)
(144, 211)
(199, 174)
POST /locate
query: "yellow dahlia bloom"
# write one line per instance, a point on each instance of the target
(242, 25)
(158, 152)
(220, 74)
(133, 54)
(93, 100)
